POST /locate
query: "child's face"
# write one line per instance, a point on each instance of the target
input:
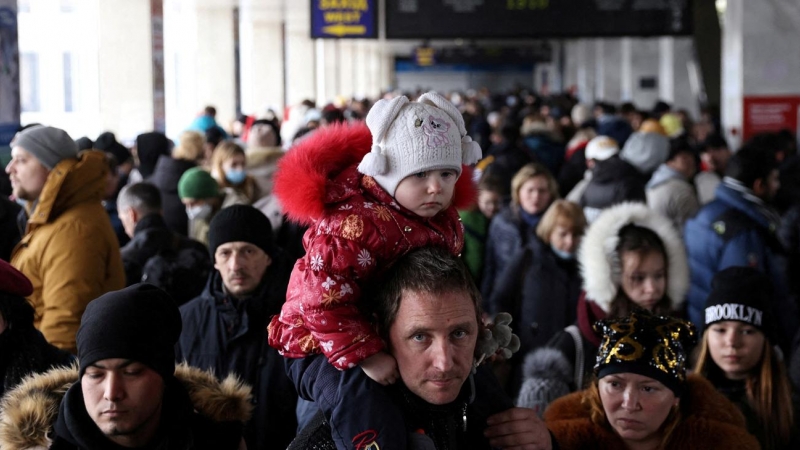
(736, 347)
(489, 203)
(427, 193)
(644, 277)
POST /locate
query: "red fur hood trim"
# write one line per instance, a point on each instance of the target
(303, 174)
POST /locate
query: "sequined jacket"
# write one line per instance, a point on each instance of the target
(356, 232)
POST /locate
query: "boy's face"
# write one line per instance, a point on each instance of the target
(427, 193)
(489, 203)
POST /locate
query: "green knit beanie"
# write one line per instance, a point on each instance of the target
(197, 184)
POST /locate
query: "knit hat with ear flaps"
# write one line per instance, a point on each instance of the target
(412, 137)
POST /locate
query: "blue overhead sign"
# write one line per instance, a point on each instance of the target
(343, 19)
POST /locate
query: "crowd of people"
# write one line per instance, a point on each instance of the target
(339, 279)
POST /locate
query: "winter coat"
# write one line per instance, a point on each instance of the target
(669, 194)
(541, 292)
(789, 233)
(508, 235)
(736, 229)
(229, 336)
(613, 181)
(357, 231)
(476, 230)
(9, 233)
(503, 162)
(152, 237)
(69, 251)
(572, 172)
(600, 271)
(708, 420)
(456, 425)
(262, 162)
(545, 150)
(202, 412)
(165, 177)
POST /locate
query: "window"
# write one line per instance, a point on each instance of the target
(68, 91)
(29, 82)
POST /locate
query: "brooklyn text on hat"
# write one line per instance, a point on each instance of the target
(733, 311)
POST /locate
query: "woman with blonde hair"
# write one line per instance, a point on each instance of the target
(533, 189)
(641, 397)
(541, 285)
(228, 167)
(738, 356)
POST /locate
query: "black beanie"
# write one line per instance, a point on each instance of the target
(140, 323)
(241, 223)
(743, 294)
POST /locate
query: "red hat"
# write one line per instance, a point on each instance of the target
(14, 282)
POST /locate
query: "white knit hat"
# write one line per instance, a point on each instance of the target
(601, 148)
(409, 138)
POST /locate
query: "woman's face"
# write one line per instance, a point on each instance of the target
(644, 277)
(735, 347)
(534, 195)
(564, 238)
(636, 406)
(235, 162)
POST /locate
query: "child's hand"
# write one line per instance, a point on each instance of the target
(381, 367)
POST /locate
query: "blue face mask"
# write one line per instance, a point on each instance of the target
(235, 176)
(567, 256)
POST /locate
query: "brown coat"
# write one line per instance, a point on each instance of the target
(69, 251)
(709, 420)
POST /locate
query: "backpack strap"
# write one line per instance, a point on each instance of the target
(580, 360)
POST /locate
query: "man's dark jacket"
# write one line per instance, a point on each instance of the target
(152, 236)
(229, 335)
(165, 177)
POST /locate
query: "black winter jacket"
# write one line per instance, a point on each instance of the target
(613, 181)
(229, 335)
(9, 233)
(152, 236)
(508, 235)
(165, 177)
(541, 292)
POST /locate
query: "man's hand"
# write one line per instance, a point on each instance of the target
(518, 428)
(381, 367)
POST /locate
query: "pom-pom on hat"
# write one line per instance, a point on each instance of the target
(742, 294)
(646, 344)
(412, 137)
(196, 183)
(139, 323)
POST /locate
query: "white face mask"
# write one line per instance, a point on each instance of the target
(199, 212)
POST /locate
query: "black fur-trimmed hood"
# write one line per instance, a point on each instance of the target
(30, 410)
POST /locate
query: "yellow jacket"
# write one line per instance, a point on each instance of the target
(69, 251)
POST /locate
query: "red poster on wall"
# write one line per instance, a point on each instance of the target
(763, 114)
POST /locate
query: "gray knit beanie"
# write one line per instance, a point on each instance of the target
(48, 144)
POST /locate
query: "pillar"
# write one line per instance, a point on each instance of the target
(261, 55)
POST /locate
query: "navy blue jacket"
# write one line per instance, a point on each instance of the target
(508, 234)
(229, 335)
(730, 231)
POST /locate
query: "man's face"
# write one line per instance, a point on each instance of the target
(766, 188)
(123, 398)
(242, 266)
(126, 216)
(433, 339)
(27, 174)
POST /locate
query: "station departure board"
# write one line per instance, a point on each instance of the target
(504, 19)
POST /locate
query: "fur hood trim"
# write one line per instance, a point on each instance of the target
(303, 173)
(30, 410)
(600, 265)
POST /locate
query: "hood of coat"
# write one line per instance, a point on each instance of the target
(613, 169)
(663, 174)
(71, 182)
(600, 265)
(304, 174)
(30, 410)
